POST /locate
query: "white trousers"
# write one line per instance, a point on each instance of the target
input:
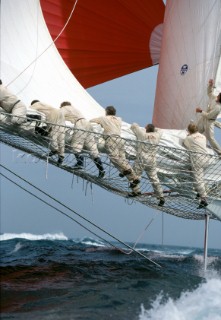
(57, 136)
(19, 110)
(206, 127)
(142, 164)
(114, 146)
(83, 139)
(198, 164)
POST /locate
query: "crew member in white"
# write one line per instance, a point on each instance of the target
(82, 137)
(56, 124)
(148, 139)
(196, 143)
(11, 104)
(114, 144)
(208, 117)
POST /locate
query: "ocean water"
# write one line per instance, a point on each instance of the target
(52, 277)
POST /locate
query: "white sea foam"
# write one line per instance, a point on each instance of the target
(18, 246)
(203, 303)
(92, 242)
(200, 259)
(185, 252)
(169, 253)
(30, 236)
(166, 254)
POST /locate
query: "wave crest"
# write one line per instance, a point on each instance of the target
(30, 236)
(203, 303)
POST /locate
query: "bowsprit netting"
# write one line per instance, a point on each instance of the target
(173, 164)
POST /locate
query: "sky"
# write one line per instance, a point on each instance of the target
(133, 97)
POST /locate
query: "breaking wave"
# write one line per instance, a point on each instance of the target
(203, 303)
(30, 236)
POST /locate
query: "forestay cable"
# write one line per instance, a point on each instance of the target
(55, 208)
(106, 232)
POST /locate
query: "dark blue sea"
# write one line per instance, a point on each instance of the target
(53, 277)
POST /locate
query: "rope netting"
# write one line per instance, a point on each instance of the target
(176, 176)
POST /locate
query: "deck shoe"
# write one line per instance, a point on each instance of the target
(78, 166)
(133, 194)
(80, 162)
(134, 183)
(60, 160)
(100, 167)
(52, 153)
(203, 204)
(161, 202)
(101, 174)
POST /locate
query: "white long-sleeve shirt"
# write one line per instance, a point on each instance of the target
(147, 147)
(110, 124)
(7, 99)
(71, 114)
(214, 107)
(53, 115)
(196, 142)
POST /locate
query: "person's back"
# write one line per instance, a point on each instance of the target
(56, 123)
(7, 99)
(196, 142)
(71, 113)
(82, 137)
(114, 144)
(111, 125)
(10, 103)
(52, 114)
(148, 139)
(110, 122)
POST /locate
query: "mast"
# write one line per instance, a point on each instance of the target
(206, 240)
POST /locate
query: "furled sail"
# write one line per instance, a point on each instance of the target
(190, 56)
(106, 39)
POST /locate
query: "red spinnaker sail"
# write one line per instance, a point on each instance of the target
(105, 39)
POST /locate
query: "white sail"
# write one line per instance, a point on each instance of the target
(218, 76)
(24, 36)
(190, 55)
(33, 69)
(218, 87)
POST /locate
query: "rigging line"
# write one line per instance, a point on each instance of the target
(50, 205)
(137, 238)
(216, 33)
(162, 240)
(106, 232)
(53, 42)
(58, 201)
(139, 253)
(36, 52)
